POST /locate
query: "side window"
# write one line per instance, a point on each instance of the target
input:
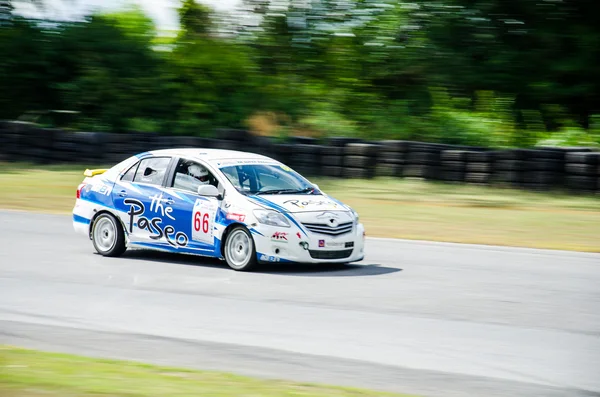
(152, 170)
(232, 174)
(242, 177)
(128, 176)
(189, 175)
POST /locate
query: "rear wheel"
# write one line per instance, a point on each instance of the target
(240, 252)
(108, 235)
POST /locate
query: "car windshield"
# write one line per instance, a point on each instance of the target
(267, 179)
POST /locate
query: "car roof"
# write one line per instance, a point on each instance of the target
(210, 154)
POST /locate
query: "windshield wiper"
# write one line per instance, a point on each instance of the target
(307, 190)
(287, 191)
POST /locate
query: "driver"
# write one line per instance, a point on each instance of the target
(198, 172)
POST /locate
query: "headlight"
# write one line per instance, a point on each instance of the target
(356, 217)
(271, 218)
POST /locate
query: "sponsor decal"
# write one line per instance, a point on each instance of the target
(306, 203)
(328, 214)
(280, 237)
(243, 162)
(101, 188)
(323, 243)
(156, 206)
(266, 258)
(235, 217)
(332, 219)
(298, 234)
(203, 219)
(136, 208)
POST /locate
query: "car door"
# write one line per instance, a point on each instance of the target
(197, 216)
(141, 202)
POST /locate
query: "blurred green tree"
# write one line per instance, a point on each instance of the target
(491, 72)
(195, 19)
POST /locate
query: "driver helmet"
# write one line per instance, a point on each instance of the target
(198, 172)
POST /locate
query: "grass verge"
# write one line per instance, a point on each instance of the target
(388, 207)
(28, 373)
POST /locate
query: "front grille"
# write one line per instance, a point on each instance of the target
(322, 228)
(341, 254)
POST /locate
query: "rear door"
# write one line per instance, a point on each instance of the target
(141, 202)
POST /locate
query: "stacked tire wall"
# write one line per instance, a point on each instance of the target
(391, 158)
(569, 169)
(360, 160)
(583, 171)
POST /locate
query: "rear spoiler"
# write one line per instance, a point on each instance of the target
(95, 172)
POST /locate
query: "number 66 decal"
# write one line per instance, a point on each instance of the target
(201, 221)
(203, 218)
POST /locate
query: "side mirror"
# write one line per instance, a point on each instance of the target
(316, 186)
(208, 191)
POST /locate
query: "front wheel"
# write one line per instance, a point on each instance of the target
(240, 253)
(108, 235)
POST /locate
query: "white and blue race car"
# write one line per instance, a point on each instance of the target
(241, 207)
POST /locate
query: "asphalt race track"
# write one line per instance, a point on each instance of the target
(415, 317)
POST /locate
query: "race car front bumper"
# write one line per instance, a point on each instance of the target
(295, 245)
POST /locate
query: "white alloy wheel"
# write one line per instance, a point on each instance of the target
(240, 253)
(108, 236)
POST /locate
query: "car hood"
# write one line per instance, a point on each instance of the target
(299, 203)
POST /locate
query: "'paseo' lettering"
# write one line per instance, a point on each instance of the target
(136, 208)
(299, 203)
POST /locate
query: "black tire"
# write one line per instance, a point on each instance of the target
(511, 154)
(304, 140)
(361, 149)
(225, 145)
(240, 235)
(477, 177)
(510, 165)
(304, 158)
(393, 146)
(583, 158)
(542, 178)
(391, 157)
(356, 173)
(105, 243)
(422, 171)
(510, 177)
(545, 165)
(453, 176)
(581, 169)
(582, 183)
(454, 155)
(479, 167)
(332, 171)
(385, 169)
(480, 157)
(424, 158)
(359, 161)
(335, 161)
(454, 166)
(332, 151)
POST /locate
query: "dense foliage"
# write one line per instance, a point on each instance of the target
(491, 73)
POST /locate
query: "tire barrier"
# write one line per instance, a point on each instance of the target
(332, 161)
(360, 160)
(544, 168)
(583, 171)
(454, 165)
(391, 158)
